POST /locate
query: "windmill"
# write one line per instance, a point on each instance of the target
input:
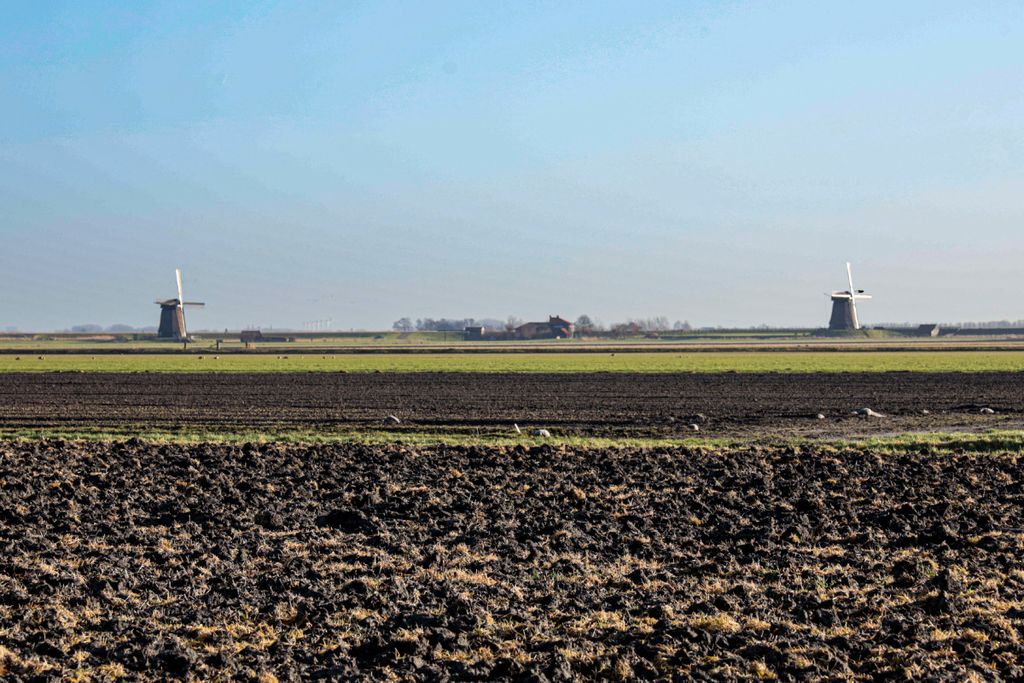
(844, 306)
(172, 315)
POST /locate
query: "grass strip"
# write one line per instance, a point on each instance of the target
(565, 363)
(996, 441)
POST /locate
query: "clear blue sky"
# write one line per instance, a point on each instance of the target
(716, 162)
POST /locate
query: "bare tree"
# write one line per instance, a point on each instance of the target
(659, 324)
(656, 324)
(626, 329)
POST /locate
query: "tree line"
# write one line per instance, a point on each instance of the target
(584, 325)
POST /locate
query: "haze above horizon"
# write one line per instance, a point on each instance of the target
(711, 162)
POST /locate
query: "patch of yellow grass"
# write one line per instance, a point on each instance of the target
(975, 635)
(111, 672)
(755, 624)
(259, 636)
(482, 654)
(459, 575)
(604, 620)
(579, 654)
(406, 635)
(717, 623)
(800, 661)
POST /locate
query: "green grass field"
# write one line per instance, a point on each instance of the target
(386, 338)
(709, 362)
(438, 342)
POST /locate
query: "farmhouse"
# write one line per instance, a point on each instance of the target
(555, 328)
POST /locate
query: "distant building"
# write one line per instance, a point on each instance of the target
(554, 328)
(253, 336)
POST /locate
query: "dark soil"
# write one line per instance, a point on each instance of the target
(339, 562)
(584, 404)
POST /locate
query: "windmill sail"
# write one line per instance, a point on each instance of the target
(844, 305)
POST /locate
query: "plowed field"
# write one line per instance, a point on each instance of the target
(338, 562)
(584, 404)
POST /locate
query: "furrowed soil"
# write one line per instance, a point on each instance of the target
(582, 404)
(376, 562)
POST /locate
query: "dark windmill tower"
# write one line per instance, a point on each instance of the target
(172, 315)
(844, 306)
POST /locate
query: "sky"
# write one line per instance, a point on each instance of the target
(363, 161)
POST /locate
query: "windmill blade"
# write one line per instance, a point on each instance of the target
(192, 303)
(853, 297)
(177, 274)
